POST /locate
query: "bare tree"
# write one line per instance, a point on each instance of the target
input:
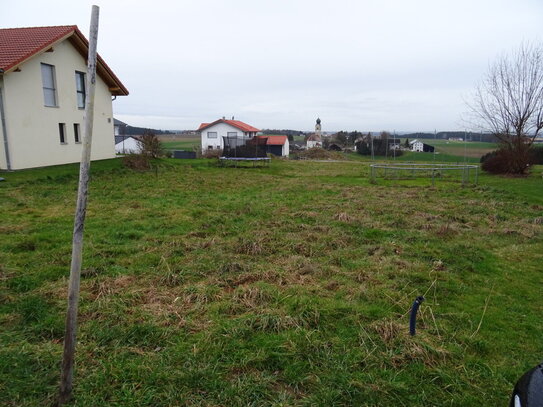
(509, 104)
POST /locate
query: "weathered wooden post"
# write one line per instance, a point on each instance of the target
(67, 372)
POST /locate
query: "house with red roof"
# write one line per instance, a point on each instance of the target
(42, 98)
(211, 134)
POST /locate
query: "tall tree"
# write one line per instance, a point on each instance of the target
(509, 104)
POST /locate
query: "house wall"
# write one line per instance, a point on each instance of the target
(3, 162)
(33, 129)
(128, 146)
(222, 130)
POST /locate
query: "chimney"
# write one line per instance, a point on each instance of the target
(232, 117)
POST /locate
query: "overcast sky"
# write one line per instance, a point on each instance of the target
(364, 65)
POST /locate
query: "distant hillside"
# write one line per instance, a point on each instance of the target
(284, 132)
(136, 131)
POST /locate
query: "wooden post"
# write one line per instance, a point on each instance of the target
(67, 372)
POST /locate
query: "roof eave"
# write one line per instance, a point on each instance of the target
(81, 44)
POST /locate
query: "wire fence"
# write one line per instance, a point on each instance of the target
(464, 173)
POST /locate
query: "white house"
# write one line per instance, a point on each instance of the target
(127, 145)
(211, 134)
(416, 145)
(314, 141)
(42, 98)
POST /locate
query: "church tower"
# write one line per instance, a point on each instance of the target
(318, 127)
(315, 140)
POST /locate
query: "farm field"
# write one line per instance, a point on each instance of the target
(180, 142)
(287, 285)
(471, 149)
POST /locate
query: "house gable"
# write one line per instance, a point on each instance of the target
(39, 133)
(18, 45)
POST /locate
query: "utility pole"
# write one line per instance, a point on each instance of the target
(394, 144)
(372, 154)
(435, 139)
(68, 356)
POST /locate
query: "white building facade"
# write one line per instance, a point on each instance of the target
(42, 98)
(211, 134)
(416, 145)
(128, 145)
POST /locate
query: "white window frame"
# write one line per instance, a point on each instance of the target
(209, 134)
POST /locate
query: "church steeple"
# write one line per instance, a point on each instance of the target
(318, 127)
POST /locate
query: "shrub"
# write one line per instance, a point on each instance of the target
(138, 162)
(537, 155)
(508, 161)
(150, 145)
(211, 153)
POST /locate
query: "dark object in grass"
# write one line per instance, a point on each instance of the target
(184, 154)
(2, 179)
(413, 318)
(528, 391)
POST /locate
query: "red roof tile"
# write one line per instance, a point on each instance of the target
(19, 44)
(275, 140)
(236, 123)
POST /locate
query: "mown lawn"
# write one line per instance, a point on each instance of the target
(288, 285)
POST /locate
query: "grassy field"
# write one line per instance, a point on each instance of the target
(180, 142)
(284, 286)
(470, 149)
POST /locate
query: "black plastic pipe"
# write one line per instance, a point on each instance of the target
(413, 318)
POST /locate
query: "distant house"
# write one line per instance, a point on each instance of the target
(127, 145)
(119, 127)
(314, 141)
(42, 98)
(211, 134)
(277, 145)
(416, 145)
(394, 144)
